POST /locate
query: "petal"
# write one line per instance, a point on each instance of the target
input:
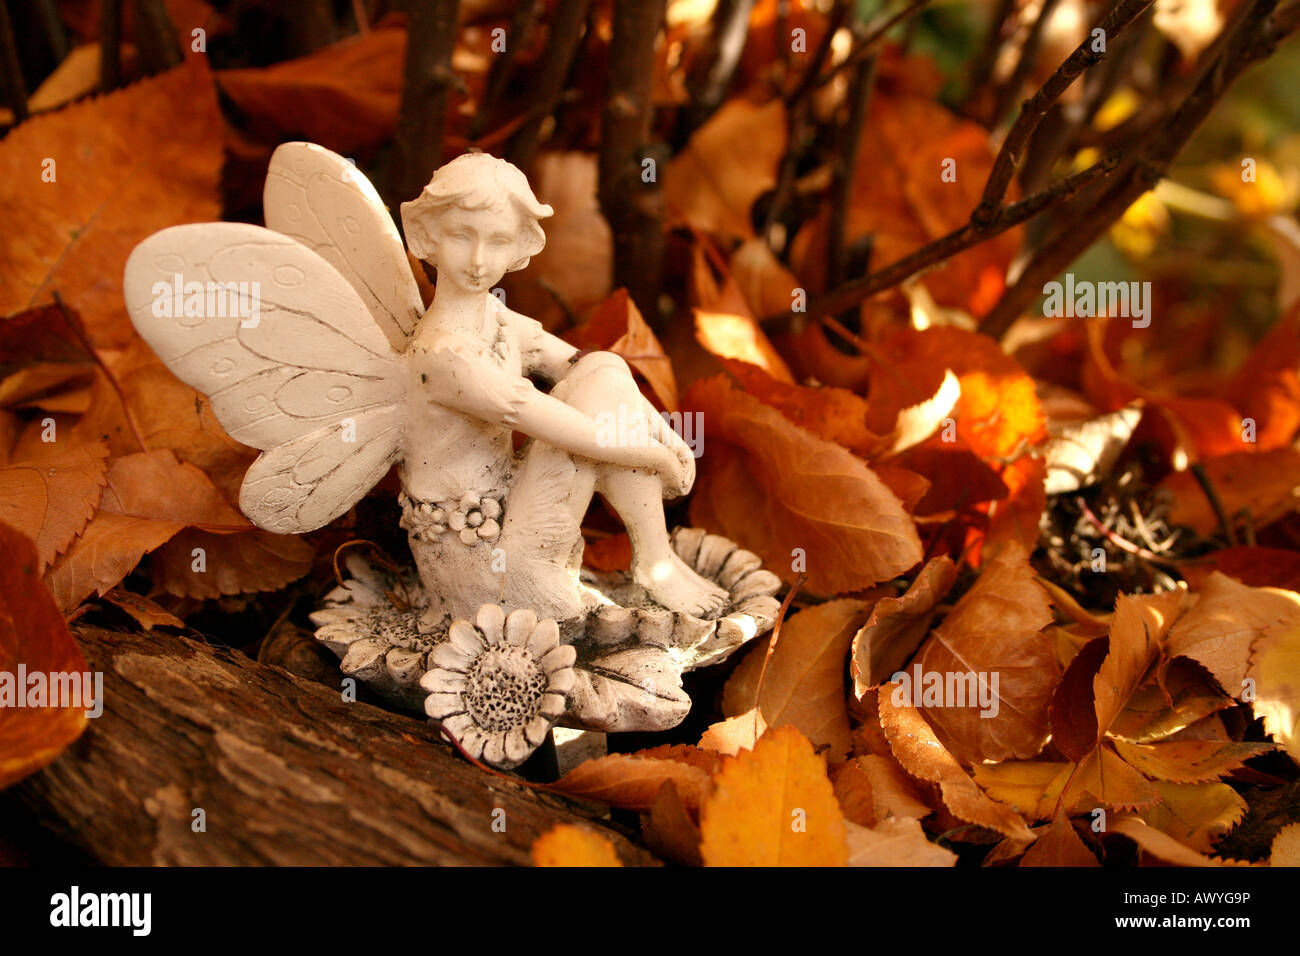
(562, 681)
(553, 705)
(441, 706)
(445, 655)
(559, 658)
(537, 730)
(517, 748)
(456, 520)
(465, 639)
(494, 750)
(489, 529)
(468, 535)
(545, 636)
(519, 626)
(473, 741)
(458, 725)
(491, 618)
(436, 680)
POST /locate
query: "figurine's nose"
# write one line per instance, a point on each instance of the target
(476, 256)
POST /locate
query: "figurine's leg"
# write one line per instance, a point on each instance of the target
(600, 383)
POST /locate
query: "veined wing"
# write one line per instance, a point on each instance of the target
(288, 355)
(319, 198)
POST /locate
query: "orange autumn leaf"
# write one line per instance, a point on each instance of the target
(50, 501)
(803, 686)
(922, 755)
(632, 782)
(993, 638)
(898, 625)
(729, 737)
(1059, 845)
(1188, 761)
(201, 564)
(1162, 846)
(149, 497)
(34, 635)
(1263, 483)
(126, 165)
(774, 487)
(1195, 814)
(344, 96)
(616, 325)
(773, 806)
(566, 844)
(1137, 635)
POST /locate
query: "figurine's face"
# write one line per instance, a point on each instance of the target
(476, 247)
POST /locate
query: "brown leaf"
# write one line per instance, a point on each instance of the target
(1189, 761)
(633, 782)
(1059, 846)
(896, 842)
(775, 487)
(32, 634)
(919, 751)
(898, 625)
(804, 683)
(773, 806)
(1162, 846)
(1196, 814)
(253, 560)
(993, 637)
(148, 498)
(711, 184)
(1137, 634)
(145, 612)
(669, 830)
(616, 325)
(50, 501)
(1264, 483)
(126, 165)
(1226, 621)
(344, 96)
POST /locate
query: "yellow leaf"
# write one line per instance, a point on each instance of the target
(773, 806)
(899, 841)
(1275, 667)
(569, 845)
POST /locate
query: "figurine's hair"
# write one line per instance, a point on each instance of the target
(475, 181)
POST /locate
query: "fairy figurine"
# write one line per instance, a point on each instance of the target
(311, 341)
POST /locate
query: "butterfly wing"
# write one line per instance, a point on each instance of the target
(319, 198)
(287, 353)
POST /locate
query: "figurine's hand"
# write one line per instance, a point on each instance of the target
(675, 474)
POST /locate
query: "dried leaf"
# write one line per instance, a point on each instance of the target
(1082, 453)
(734, 734)
(1189, 761)
(897, 626)
(773, 806)
(1275, 669)
(616, 325)
(1267, 484)
(804, 683)
(896, 842)
(992, 639)
(775, 487)
(1196, 814)
(919, 751)
(1060, 845)
(633, 782)
(127, 164)
(34, 635)
(50, 501)
(1162, 846)
(566, 844)
(669, 830)
(201, 564)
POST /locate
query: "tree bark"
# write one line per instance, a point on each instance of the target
(284, 771)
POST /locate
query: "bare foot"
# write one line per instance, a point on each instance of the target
(673, 584)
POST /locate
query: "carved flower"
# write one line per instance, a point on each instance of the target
(499, 686)
(476, 518)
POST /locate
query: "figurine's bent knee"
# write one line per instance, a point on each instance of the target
(596, 381)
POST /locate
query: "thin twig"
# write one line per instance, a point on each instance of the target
(1035, 108)
(110, 44)
(934, 253)
(1024, 64)
(843, 170)
(711, 74)
(561, 48)
(864, 47)
(156, 36)
(1120, 542)
(1203, 479)
(426, 90)
(14, 87)
(503, 64)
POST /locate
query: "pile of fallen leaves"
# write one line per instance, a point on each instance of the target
(1099, 516)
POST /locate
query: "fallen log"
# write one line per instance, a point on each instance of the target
(204, 756)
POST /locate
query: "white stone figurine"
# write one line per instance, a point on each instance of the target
(311, 341)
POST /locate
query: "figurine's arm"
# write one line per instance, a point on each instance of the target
(551, 357)
(459, 379)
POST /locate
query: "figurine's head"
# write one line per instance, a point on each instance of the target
(476, 220)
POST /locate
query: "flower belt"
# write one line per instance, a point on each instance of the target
(473, 519)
